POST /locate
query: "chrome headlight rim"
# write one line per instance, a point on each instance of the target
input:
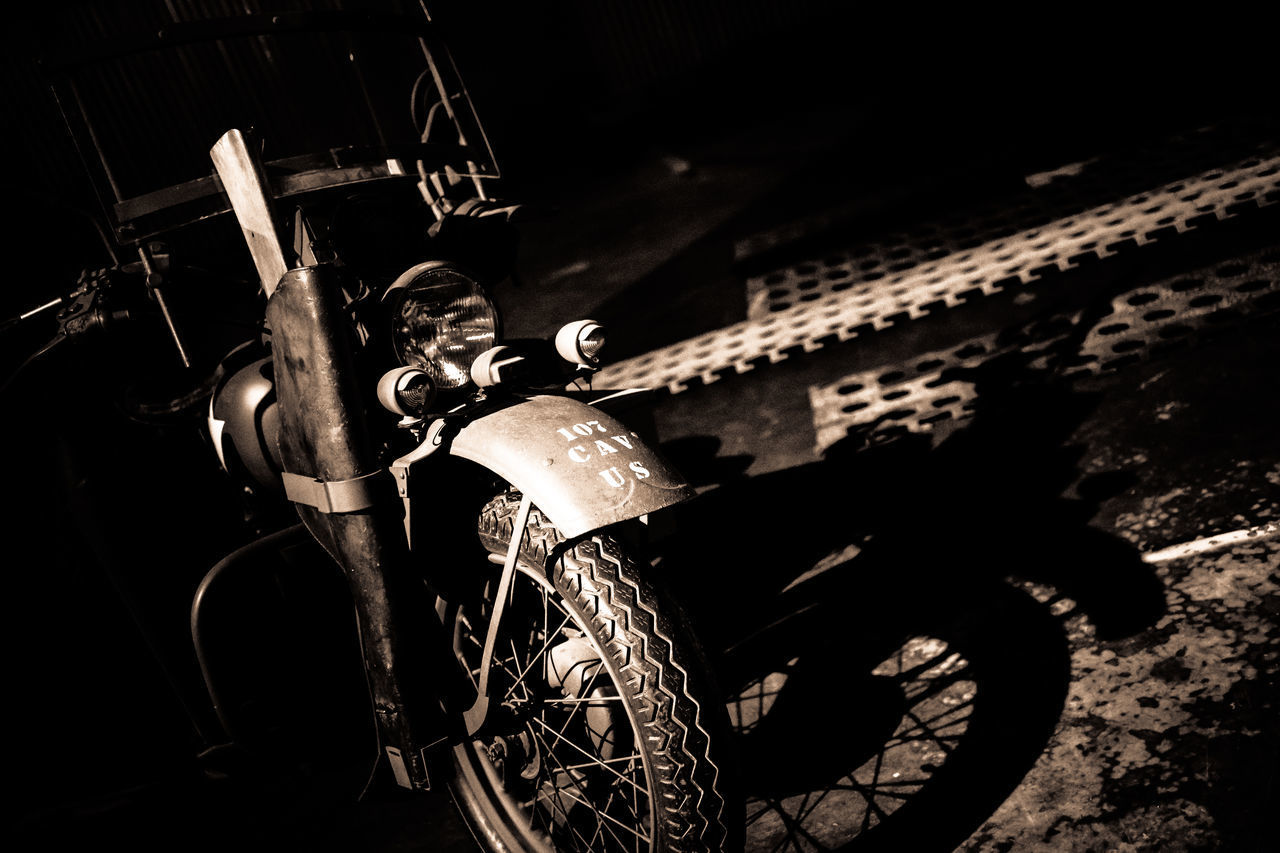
(449, 375)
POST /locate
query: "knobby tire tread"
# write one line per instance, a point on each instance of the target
(661, 671)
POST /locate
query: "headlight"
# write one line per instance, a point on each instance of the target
(440, 321)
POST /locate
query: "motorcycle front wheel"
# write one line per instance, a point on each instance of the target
(603, 729)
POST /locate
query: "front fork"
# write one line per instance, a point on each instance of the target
(474, 717)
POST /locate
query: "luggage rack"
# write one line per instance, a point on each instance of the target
(137, 104)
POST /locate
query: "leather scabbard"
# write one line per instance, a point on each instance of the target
(324, 441)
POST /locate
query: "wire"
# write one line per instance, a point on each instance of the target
(431, 119)
(413, 97)
(413, 108)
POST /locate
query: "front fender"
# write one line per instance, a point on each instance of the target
(580, 466)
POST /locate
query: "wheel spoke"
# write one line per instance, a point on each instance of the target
(613, 795)
(470, 636)
(632, 806)
(586, 691)
(586, 772)
(581, 700)
(605, 809)
(637, 833)
(550, 636)
(599, 762)
(506, 665)
(555, 795)
(595, 762)
(585, 800)
(526, 694)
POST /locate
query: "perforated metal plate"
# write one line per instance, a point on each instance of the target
(1144, 321)
(833, 304)
(939, 386)
(1045, 196)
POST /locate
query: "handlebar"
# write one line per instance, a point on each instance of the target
(82, 312)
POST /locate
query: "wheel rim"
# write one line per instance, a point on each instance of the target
(557, 765)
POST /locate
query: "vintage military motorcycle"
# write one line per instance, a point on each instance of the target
(582, 717)
(483, 503)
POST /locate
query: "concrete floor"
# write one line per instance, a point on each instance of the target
(975, 634)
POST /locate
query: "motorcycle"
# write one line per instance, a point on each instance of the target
(530, 663)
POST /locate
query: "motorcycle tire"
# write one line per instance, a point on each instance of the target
(604, 728)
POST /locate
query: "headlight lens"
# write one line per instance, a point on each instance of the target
(440, 321)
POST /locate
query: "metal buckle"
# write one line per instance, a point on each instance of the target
(333, 496)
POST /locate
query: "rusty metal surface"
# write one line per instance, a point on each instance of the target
(583, 468)
(836, 301)
(939, 386)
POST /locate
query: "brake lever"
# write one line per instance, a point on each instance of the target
(83, 313)
(80, 313)
(40, 309)
(86, 282)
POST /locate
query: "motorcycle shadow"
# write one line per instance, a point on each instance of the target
(889, 675)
